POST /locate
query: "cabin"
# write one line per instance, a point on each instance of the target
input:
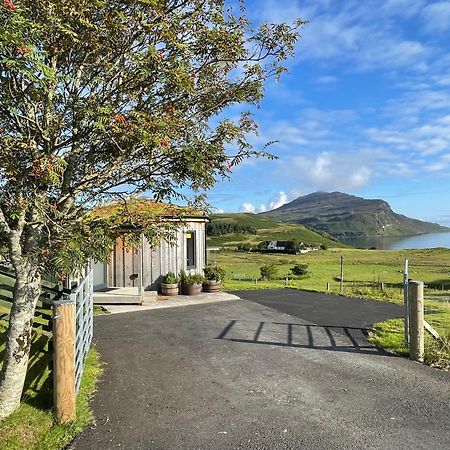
(142, 266)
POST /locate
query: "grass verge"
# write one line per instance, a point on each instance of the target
(32, 426)
(389, 335)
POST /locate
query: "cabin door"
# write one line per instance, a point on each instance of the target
(125, 265)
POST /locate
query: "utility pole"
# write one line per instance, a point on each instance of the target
(341, 285)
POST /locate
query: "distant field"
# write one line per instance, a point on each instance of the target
(364, 270)
(267, 230)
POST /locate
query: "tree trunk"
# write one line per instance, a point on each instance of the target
(12, 379)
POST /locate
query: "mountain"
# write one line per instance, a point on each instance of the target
(343, 215)
(255, 228)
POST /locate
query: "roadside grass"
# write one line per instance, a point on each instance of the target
(100, 311)
(32, 427)
(389, 335)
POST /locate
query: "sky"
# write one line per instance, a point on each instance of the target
(364, 109)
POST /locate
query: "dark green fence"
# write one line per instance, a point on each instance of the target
(43, 314)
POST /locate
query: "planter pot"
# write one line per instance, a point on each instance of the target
(192, 289)
(212, 286)
(169, 289)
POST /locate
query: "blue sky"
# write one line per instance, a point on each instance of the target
(364, 109)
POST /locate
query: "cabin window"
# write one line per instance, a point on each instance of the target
(190, 250)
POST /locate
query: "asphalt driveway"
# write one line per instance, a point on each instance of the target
(277, 370)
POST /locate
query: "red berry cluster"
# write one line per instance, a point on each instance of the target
(9, 4)
(120, 118)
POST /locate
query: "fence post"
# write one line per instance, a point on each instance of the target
(416, 327)
(64, 396)
(341, 284)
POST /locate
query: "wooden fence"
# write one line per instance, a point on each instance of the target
(43, 313)
(66, 315)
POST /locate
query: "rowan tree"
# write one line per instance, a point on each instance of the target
(99, 98)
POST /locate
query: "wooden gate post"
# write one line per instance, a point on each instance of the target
(416, 326)
(64, 396)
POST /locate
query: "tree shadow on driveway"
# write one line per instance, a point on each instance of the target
(318, 337)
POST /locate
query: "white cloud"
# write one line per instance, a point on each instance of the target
(273, 203)
(247, 208)
(427, 139)
(327, 79)
(331, 171)
(279, 201)
(437, 17)
(262, 208)
(346, 31)
(442, 80)
(440, 164)
(405, 8)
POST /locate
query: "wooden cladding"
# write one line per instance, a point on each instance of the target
(128, 264)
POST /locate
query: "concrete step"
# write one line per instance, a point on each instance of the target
(103, 298)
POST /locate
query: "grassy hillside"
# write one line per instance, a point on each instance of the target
(268, 229)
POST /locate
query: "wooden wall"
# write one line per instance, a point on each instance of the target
(156, 262)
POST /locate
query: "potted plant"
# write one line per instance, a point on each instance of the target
(214, 276)
(169, 285)
(192, 284)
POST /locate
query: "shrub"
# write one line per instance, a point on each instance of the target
(300, 269)
(437, 353)
(244, 247)
(323, 246)
(196, 278)
(183, 276)
(216, 273)
(170, 278)
(268, 272)
(263, 245)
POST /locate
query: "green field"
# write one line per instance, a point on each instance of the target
(364, 270)
(267, 230)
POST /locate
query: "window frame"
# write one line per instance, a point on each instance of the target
(194, 249)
